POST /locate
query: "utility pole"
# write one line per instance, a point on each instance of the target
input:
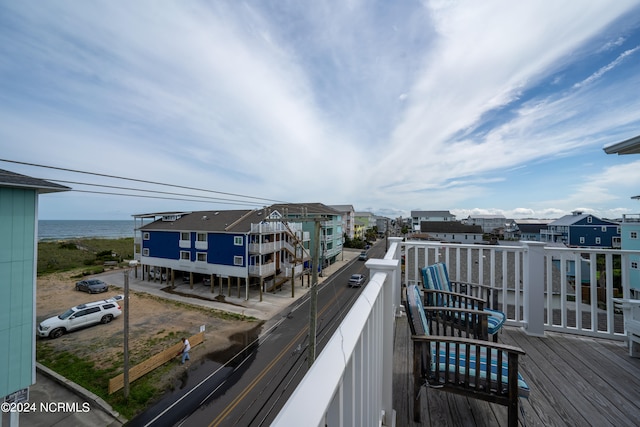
(134, 264)
(313, 291)
(313, 295)
(126, 334)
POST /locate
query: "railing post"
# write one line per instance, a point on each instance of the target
(533, 289)
(396, 242)
(391, 268)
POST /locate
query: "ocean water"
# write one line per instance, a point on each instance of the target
(71, 229)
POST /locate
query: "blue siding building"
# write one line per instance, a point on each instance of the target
(582, 230)
(250, 247)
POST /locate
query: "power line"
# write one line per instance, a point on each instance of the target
(139, 180)
(145, 190)
(160, 197)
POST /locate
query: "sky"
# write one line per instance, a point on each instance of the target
(492, 107)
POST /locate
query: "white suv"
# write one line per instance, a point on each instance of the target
(80, 316)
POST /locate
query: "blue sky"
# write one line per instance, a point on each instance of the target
(473, 107)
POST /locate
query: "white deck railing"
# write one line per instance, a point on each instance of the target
(539, 287)
(350, 381)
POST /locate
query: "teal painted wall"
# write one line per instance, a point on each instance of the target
(17, 288)
(633, 245)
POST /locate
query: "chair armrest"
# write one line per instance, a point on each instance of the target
(453, 299)
(480, 313)
(478, 290)
(453, 294)
(451, 321)
(470, 341)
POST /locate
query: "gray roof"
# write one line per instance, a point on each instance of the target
(232, 221)
(342, 208)
(531, 228)
(16, 180)
(569, 219)
(313, 209)
(630, 146)
(487, 216)
(431, 213)
(572, 219)
(448, 227)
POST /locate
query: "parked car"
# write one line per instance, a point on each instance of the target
(78, 317)
(363, 256)
(116, 298)
(356, 280)
(93, 286)
(157, 273)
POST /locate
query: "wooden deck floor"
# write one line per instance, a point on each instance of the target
(574, 381)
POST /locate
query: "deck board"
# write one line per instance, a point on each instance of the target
(574, 380)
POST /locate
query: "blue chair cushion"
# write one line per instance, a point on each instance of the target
(495, 320)
(436, 276)
(455, 353)
(416, 310)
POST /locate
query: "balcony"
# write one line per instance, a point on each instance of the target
(265, 248)
(262, 270)
(560, 309)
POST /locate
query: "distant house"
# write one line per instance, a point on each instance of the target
(382, 224)
(243, 247)
(367, 219)
(331, 231)
(451, 231)
(347, 213)
(531, 229)
(360, 229)
(582, 230)
(418, 217)
(489, 223)
(18, 265)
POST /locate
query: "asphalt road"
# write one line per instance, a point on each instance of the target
(252, 388)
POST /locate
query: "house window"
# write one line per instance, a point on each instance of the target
(237, 260)
(634, 235)
(597, 240)
(237, 240)
(202, 256)
(184, 235)
(185, 255)
(634, 265)
(145, 236)
(582, 240)
(145, 252)
(589, 220)
(202, 237)
(603, 228)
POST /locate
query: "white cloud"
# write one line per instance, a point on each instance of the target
(598, 74)
(300, 102)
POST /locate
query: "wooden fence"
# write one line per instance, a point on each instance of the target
(152, 363)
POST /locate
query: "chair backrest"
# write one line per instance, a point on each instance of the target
(415, 312)
(444, 276)
(435, 277)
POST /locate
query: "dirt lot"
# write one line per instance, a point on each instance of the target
(155, 324)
